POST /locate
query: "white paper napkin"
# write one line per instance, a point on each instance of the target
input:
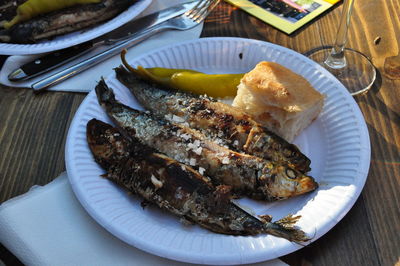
(86, 81)
(48, 226)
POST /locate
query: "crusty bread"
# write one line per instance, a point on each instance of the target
(279, 99)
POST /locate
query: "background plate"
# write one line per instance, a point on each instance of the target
(337, 143)
(77, 37)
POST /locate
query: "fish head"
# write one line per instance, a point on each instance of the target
(281, 182)
(145, 91)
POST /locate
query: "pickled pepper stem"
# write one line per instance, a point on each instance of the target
(336, 58)
(125, 63)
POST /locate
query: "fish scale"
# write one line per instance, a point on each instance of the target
(246, 174)
(219, 121)
(159, 179)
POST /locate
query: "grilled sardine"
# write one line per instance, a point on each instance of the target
(246, 174)
(223, 123)
(8, 9)
(64, 21)
(177, 188)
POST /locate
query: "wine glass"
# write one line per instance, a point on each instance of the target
(351, 67)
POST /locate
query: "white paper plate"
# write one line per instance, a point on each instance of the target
(77, 37)
(337, 143)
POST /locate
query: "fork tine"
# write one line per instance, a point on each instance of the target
(195, 9)
(203, 13)
(200, 9)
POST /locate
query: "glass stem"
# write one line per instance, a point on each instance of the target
(336, 58)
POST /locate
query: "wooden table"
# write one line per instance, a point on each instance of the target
(33, 130)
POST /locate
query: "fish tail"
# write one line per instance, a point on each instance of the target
(4, 35)
(105, 95)
(285, 228)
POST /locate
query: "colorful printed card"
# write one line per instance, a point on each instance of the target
(286, 15)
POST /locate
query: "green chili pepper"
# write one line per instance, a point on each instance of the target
(214, 85)
(161, 75)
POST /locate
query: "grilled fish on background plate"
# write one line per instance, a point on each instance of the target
(223, 123)
(246, 174)
(62, 21)
(8, 8)
(177, 188)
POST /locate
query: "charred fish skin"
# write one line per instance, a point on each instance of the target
(8, 9)
(223, 123)
(64, 21)
(177, 188)
(246, 174)
(178, 142)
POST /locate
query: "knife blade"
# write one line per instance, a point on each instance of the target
(53, 60)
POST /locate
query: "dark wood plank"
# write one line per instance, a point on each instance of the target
(33, 130)
(382, 114)
(32, 137)
(350, 234)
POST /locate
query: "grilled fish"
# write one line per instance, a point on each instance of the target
(64, 21)
(177, 188)
(8, 9)
(223, 123)
(246, 174)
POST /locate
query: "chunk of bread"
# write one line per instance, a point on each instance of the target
(279, 99)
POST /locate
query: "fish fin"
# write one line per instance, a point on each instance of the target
(285, 228)
(104, 176)
(265, 218)
(144, 204)
(288, 221)
(185, 221)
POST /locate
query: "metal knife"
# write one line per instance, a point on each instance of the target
(53, 60)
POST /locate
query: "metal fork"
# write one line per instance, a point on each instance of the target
(186, 21)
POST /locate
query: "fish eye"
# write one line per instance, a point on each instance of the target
(290, 173)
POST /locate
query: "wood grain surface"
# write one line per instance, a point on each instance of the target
(33, 129)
